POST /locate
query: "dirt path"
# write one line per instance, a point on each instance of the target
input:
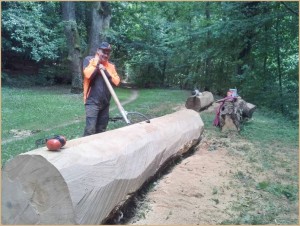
(198, 191)
(22, 134)
(218, 184)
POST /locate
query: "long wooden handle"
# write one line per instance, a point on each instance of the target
(112, 92)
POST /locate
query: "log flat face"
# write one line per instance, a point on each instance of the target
(87, 179)
(33, 191)
(207, 99)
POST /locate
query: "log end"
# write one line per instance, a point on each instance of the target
(200, 102)
(228, 124)
(33, 191)
(193, 103)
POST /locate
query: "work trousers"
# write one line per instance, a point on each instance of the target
(97, 117)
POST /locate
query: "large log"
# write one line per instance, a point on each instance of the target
(199, 102)
(232, 112)
(90, 176)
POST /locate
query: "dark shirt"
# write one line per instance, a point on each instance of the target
(98, 92)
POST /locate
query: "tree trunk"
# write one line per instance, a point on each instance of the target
(279, 70)
(249, 9)
(208, 61)
(73, 42)
(232, 113)
(101, 15)
(163, 73)
(91, 177)
(200, 102)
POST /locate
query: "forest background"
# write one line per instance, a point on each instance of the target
(214, 46)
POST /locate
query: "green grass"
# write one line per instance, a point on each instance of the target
(268, 127)
(29, 109)
(54, 110)
(152, 103)
(158, 102)
(289, 191)
(40, 109)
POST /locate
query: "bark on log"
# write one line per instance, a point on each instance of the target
(90, 176)
(197, 103)
(233, 113)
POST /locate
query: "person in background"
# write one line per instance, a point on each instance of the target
(95, 92)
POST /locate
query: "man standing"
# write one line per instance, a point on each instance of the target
(95, 92)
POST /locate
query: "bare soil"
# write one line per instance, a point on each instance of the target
(212, 186)
(199, 190)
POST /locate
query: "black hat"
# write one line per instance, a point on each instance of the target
(105, 45)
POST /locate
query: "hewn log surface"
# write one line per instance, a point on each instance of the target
(200, 102)
(90, 176)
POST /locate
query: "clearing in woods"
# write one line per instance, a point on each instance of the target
(231, 178)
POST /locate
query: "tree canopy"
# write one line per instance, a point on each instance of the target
(251, 46)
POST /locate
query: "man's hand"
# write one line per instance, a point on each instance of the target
(97, 58)
(101, 67)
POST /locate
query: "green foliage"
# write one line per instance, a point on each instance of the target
(4, 78)
(251, 46)
(215, 46)
(29, 30)
(54, 74)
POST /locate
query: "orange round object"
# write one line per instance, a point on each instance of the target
(53, 144)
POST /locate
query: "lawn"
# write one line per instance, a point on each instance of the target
(54, 110)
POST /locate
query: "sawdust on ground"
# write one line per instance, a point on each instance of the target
(199, 190)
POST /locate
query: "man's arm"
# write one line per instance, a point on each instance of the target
(115, 79)
(90, 68)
